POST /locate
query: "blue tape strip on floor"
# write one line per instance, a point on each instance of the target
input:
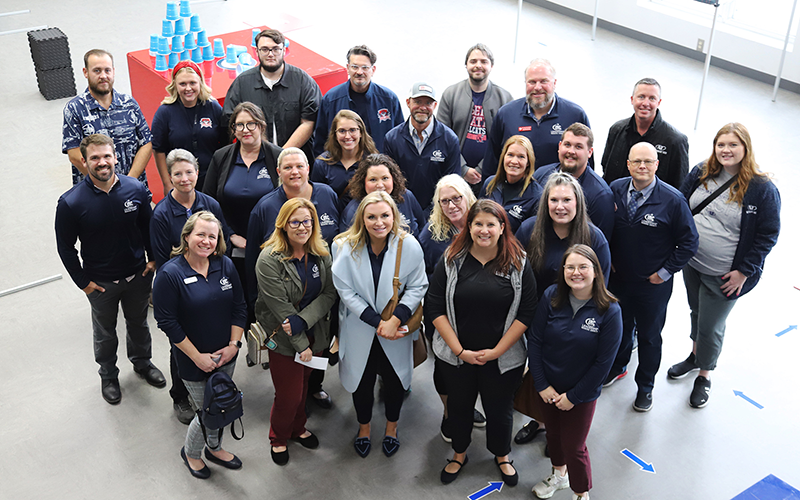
(769, 488)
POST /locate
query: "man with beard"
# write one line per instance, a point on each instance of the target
(424, 148)
(378, 106)
(469, 107)
(102, 110)
(574, 152)
(110, 215)
(541, 116)
(646, 125)
(288, 96)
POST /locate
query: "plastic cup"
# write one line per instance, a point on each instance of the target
(230, 55)
(194, 25)
(174, 58)
(208, 53)
(256, 31)
(246, 59)
(153, 45)
(188, 43)
(161, 63)
(219, 48)
(240, 49)
(180, 27)
(202, 38)
(163, 46)
(167, 28)
(186, 55)
(177, 44)
(186, 10)
(197, 55)
(172, 11)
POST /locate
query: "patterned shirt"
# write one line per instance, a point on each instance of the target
(123, 121)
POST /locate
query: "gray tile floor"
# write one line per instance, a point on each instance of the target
(61, 440)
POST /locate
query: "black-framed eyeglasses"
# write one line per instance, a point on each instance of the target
(266, 50)
(241, 126)
(455, 200)
(307, 223)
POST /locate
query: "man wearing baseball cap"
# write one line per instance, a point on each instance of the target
(424, 148)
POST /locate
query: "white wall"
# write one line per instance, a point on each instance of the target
(753, 55)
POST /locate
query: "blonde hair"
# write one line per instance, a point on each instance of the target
(203, 95)
(438, 224)
(500, 177)
(279, 240)
(357, 236)
(189, 227)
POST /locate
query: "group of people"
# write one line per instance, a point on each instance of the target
(486, 224)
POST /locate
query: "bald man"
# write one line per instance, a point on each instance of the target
(654, 237)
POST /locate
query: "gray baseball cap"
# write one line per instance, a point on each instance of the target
(420, 89)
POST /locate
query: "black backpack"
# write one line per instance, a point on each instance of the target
(222, 405)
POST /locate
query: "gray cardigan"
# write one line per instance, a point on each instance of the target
(279, 288)
(455, 111)
(516, 355)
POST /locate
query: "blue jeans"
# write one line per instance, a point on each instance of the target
(710, 308)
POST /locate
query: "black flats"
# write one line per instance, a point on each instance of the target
(279, 457)
(390, 445)
(363, 446)
(449, 477)
(203, 473)
(310, 442)
(232, 464)
(511, 480)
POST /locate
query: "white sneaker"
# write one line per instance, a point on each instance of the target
(580, 497)
(551, 484)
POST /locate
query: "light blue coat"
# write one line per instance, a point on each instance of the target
(352, 277)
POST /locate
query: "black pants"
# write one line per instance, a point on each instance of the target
(497, 390)
(393, 392)
(178, 390)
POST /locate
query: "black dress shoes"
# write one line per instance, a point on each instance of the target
(203, 473)
(232, 464)
(510, 480)
(322, 399)
(311, 442)
(528, 432)
(280, 457)
(110, 391)
(449, 477)
(152, 375)
(362, 446)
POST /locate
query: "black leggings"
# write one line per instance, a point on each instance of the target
(393, 392)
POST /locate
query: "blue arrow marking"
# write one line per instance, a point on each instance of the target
(493, 486)
(638, 461)
(741, 395)
(791, 327)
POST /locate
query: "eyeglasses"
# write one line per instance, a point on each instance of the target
(582, 268)
(355, 67)
(266, 50)
(307, 223)
(455, 200)
(647, 163)
(241, 126)
(345, 131)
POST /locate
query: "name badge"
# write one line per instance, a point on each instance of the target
(190, 280)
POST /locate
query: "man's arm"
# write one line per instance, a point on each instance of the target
(75, 158)
(163, 172)
(140, 160)
(301, 134)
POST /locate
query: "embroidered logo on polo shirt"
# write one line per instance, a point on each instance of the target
(205, 122)
(516, 212)
(130, 206)
(590, 325)
(556, 129)
(326, 220)
(649, 220)
(383, 115)
(315, 271)
(225, 283)
(437, 156)
(524, 129)
(661, 149)
(263, 173)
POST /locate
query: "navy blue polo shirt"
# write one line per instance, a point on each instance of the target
(308, 272)
(169, 217)
(432, 249)
(188, 305)
(519, 207)
(599, 198)
(515, 118)
(410, 211)
(113, 228)
(244, 187)
(334, 175)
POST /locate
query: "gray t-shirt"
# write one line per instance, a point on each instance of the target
(718, 225)
(576, 304)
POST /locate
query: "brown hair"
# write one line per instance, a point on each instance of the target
(254, 111)
(509, 251)
(95, 140)
(749, 168)
(356, 186)
(98, 53)
(365, 143)
(602, 297)
(274, 35)
(580, 130)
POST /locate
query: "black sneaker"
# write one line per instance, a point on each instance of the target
(478, 420)
(445, 432)
(680, 370)
(183, 411)
(613, 378)
(700, 393)
(643, 402)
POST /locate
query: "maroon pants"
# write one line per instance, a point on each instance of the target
(288, 416)
(566, 441)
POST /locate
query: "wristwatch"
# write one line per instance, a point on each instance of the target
(237, 343)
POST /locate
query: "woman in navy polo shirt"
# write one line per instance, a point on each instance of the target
(378, 172)
(188, 118)
(199, 303)
(737, 230)
(295, 295)
(571, 345)
(169, 217)
(348, 142)
(513, 185)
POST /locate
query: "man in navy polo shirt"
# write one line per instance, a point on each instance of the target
(574, 152)
(654, 237)
(110, 215)
(378, 106)
(424, 148)
(646, 125)
(541, 116)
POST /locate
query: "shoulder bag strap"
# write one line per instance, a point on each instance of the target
(703, 204)
(396, 279)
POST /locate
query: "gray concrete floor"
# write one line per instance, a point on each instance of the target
(61, 440)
